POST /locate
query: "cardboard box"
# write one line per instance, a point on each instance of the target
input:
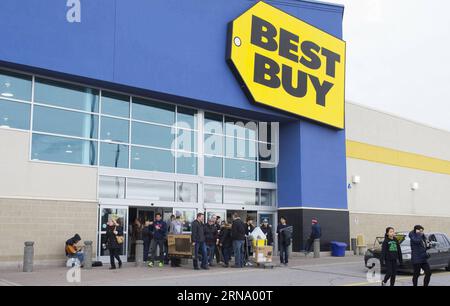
(263, 254)
(179, 245)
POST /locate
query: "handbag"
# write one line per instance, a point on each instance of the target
(120, 239)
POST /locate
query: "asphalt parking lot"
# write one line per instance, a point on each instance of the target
(325, 271)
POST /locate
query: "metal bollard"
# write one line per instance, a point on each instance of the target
(354, 246)
(316, 248)
(28, 254)
(139, 253)
(88, 254)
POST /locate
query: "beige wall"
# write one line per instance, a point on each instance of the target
(22, 178)
(374, 225)
(46, 222)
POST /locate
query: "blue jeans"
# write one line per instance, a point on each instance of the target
(200, 247)
(80, 257)
(238, 247)
(211, 251)
(146, 249)
(226, 253)
(284, 256)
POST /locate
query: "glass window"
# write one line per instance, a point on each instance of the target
(240, 128)
(113, 155)
(267, 172)
(14, 115)
(240, 169)
(58, 121)
(213, 123)
(15, 86)
(213, 166)
(111, 187)
(151, 135)
(240, 195)
(187, 192)
(66, 95)
(151, 111)
(187, 217)
(240, 148)
(187, 140)
(186, 163)
(65, 150)
(213, 144)
(186, 118)
(152, 159)
(114, 129)
(268, 197)
(115, 104)
(213, 194)
(150, 190)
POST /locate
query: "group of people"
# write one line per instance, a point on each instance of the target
(213, 241)
(391, 255)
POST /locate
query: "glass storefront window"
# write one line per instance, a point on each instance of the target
(240, 169)
(113, 155)
(267, 172)
(240, 148)
(150, 190)
(66, 95)
(186, 163)
(15, 86)
(187, 217)
(152, 159)
(58, 121)
(213, 123)
(152, 111)
(115, 104)
(213, 166)
(213, 144)
(111, 187)
(240, 195)
(151, 135)
(65, 150)
(14, 115)
(240, 128)
(187, 140)
(114, 129)
(268, 197)
(187, 192)
(186, 118)
(213, 194)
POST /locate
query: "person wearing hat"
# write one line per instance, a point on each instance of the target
(419, 255)
(316, 233)
(267, 230)
(176, 228)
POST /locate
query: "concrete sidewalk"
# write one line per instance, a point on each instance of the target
(325, 271)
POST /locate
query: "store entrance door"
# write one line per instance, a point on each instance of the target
(106, 213)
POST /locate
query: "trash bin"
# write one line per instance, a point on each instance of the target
(338, 248)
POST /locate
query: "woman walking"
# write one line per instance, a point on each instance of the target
(114, 241)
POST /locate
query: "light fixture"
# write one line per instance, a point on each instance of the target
(356, 179)
(414, 186)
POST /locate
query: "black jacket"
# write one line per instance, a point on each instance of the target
(198, 232)
(390, 250)
(211, 234)
(111, 241)
(238, 230)
(249, 228)
(225, 237)
(418, 248)
(267, 230)
(147, 234)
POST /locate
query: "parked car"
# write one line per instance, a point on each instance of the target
(439, 252)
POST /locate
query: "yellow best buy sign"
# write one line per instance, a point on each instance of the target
(288, 64)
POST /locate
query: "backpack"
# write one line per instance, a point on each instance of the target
(287, 237)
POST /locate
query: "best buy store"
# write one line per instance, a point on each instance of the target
(132, 108)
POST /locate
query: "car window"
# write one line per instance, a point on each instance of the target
(432, 238)
(442, 240)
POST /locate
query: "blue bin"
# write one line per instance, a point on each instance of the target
(338, 248)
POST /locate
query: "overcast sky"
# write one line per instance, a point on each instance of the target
(398, 57)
